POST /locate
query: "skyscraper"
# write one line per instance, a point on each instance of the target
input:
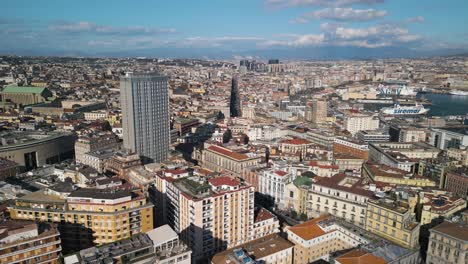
(145, 109)
(235, 99)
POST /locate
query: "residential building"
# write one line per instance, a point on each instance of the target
(341, 196)
(456, 182)
(448, 243)
(265, 223)
(211, 214)
(403, 133)
(348, 162)
(29, 242)
(121, 161)
(94, 142)
(402, 156)
(436, 205)
(392, 220)
(355, 122)
(8, 168)
(270, 249)
(218, 158)
(272, 183)
(317, 238)
(145, 109)
(88, 216)
(460, 155)
(317, 112)
(373, 136)
(389, 175)
(160, 246)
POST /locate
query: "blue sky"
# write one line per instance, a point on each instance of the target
(97, 26)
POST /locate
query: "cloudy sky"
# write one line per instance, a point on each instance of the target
(235, 27)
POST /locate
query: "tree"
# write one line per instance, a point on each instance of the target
(227, 136)
(220, 116)
(246, 140)
(105, 126)
(303, 217)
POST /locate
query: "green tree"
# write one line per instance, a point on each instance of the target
(303, 217)
(227, 136)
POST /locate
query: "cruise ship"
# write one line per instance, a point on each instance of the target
(397, 109)
(458, 92)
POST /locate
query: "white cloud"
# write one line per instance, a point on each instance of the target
(341, 14)
(88, 27)
(417, 19)
(336, 3)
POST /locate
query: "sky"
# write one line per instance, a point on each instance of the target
(240, 28)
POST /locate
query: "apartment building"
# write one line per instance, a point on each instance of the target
(373, 136)
(272, 183)
(265, 223)
(448, 243)
(317, 238)
(160, 245)
(122, 161)
(456, 182)
(88, 216)
(402, 156)
(211, 214)
(94, 142)
(219, 158)
(29, 242)
(436, 205)
(355, 122)
(342, 196)
(392, 220)
(270, 249)
(386, 174)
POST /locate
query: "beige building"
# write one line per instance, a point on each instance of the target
(448, 243)
(265, 223)
(317, 238)
(393, 220)
(211, 214)
(342, 196)
(94, 142)
(437, 205)
(29, 242)
(270, 249)
(219, 158)
(355, 122)
(88, 216)
(317, 112)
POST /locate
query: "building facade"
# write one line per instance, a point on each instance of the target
(448, 243)
(145, 109)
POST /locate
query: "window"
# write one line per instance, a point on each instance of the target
(291, 194)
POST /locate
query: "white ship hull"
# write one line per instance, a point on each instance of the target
(405, 110)
(457, 92)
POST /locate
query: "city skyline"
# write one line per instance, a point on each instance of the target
(289, 29)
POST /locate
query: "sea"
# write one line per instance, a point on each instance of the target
(445, 104)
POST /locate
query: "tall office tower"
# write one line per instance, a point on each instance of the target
(317, 112)
(235, 99)
(145, 108)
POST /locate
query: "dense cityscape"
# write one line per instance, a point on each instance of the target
(234, 132)
(196, 161)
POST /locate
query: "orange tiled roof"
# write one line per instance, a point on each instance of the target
(296, 141)
(228, 152)
(225, 180)
(359, 257)
(310, 229)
